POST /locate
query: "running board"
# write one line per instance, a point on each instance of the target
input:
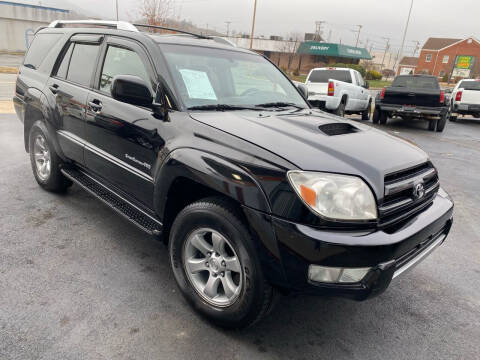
(118, 203)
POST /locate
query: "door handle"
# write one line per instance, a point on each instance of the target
(95, 106)
(53, 88)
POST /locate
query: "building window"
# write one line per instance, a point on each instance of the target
(446, 58)
(428, 58)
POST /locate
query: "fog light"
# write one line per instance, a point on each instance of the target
(336, 275)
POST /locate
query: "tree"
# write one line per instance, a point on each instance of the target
(156, 12)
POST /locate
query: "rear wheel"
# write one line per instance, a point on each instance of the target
(340, 110)
(213, 258)
(45, 161)
(376, 115)
(366, 114)
(453, 118)
(383, 117)
(432, 125)
(442, 122)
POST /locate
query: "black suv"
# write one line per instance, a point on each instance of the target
(213, 149)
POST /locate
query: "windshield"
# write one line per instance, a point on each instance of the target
(209, 77)
(416, 82)
(323, 76)
(470, 85)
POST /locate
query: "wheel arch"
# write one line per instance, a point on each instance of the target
(188, 175)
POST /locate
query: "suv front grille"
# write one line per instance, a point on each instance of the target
(400, 202)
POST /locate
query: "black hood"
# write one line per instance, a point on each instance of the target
(318, 141)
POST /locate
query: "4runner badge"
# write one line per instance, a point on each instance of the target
(142, 163)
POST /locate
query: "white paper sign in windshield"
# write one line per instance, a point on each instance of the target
(198, 84)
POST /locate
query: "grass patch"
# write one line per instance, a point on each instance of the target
(299, 78)
(376, 84)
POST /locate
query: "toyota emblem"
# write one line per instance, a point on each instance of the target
(418, 191)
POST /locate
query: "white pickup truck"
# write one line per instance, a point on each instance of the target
(339, 90)
(465, 99)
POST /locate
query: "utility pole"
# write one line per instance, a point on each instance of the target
(400, 53)
(116, 7)
(228, 27)
(318, 30)
(358, 36)
(253, 23)
(387, 47)
(417, 46)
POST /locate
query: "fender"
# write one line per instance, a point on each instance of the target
(212, 171)
(37, 107)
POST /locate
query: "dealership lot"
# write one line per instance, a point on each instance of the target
(77, 281)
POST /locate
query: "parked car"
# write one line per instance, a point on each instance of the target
(465, 99)
(215, 151)
(339, 90)
(413, 97)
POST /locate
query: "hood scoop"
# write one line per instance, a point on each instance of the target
(339, 128)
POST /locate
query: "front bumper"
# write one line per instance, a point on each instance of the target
(413, 110)
(387, 253)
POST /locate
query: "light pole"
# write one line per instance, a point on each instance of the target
(358, 36)
(253, 23)
(116, 7)
(405, 33)
(228, 27)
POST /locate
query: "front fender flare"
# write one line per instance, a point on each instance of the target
(212, 171)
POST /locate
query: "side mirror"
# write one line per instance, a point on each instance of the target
(303, 90)
(367, 84)
(131, 90)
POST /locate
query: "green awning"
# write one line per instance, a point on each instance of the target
(333, 50)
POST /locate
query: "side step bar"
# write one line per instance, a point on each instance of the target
(122, 206)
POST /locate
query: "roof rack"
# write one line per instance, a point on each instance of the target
(120, 25)
(172, 29)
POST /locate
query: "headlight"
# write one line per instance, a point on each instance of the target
(333, 196)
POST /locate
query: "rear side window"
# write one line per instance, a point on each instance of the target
(323, 76)
(37, 52)
(63, 68)
(82, 63)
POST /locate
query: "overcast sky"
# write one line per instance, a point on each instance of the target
(380, 18)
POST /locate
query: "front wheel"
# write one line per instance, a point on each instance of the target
(45, 161)
(213, 258)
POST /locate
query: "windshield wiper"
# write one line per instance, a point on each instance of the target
(221, 107)
(279, 104)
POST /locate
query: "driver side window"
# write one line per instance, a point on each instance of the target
(121, 61)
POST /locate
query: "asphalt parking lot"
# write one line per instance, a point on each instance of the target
(78, 282)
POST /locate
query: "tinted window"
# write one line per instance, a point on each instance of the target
(40, 47)
(323, 76)
(63, 68)
(119, 61)
(469, 85)
(82, 64)
(416, 82)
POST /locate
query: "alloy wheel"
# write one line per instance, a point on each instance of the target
(42, 157)
(213, 267)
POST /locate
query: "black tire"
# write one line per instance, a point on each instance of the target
(340, 110)
(256, 296)
(442, 122)
(383, 117)
(376, 115)
(366, 114)
(453, 118)
(54, 181)
(432, 125)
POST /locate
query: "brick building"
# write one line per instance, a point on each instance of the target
(407, 65)
(451, 58)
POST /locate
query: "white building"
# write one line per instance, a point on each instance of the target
(19, 21)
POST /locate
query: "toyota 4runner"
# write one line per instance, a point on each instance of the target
(213, 149)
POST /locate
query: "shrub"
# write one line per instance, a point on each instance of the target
(296, 72)
(445, 78)
(373, 75)
(357, 67)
